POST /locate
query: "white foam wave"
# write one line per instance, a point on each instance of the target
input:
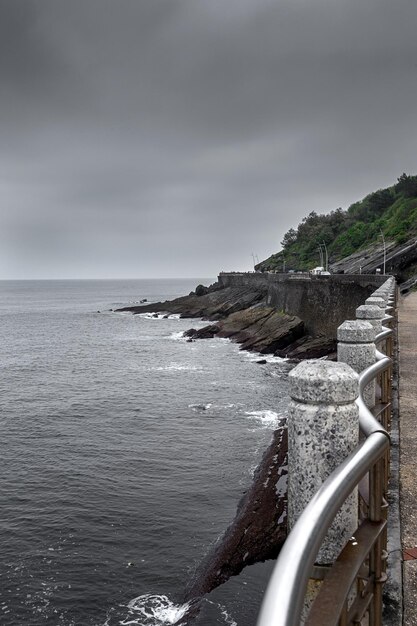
(200, 407)
(265, 417)
(219, 407)
(154, 610)
(177, 336)
(176, 367)
(159, 316)
(269, 358)
(152, 316)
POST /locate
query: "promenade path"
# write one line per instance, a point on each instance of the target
(407, 328)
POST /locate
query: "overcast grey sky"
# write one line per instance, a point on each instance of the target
(163, 138)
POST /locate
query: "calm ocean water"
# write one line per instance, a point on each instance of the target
(124, 452)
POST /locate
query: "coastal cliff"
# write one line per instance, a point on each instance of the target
(287, 316)
(242, 314)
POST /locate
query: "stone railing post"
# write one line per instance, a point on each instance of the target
(323, 429)
(373, 314)
(382, 291)
(356, 347)
(376, 301)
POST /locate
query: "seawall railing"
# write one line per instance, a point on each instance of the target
(332, 567)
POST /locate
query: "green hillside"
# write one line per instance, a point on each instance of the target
(391, 211)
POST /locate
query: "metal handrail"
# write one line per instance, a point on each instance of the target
(383, 335)
(284, 598)
(367, 422)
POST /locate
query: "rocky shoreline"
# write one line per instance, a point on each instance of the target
(242, 315)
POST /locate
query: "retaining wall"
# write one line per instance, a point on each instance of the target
(322, 302)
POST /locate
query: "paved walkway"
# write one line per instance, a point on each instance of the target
(408, 452)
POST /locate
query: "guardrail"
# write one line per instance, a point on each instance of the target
(343, 592)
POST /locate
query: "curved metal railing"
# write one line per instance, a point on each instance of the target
(284, 598)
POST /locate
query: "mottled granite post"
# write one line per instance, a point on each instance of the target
(376, 301)
(323, 429)
(356, 347)
(372, 314)
(380, 293)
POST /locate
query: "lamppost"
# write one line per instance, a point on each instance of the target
(326, 265)
(385, 249)
(321, 255)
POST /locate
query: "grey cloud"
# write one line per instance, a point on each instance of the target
(193, 126)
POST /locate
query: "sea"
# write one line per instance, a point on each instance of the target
(125, 449)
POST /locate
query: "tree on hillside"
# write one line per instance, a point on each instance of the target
(392, 210)
(379, 201)
(407, 185)
(289, 238)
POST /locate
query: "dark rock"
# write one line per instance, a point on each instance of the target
(216, 304)
(242, 315)
(215, 287)
(189, 340)
(259, 528)
(261, 329)
(309, 348)
(261, 362)
(201, 290)
(207, 332)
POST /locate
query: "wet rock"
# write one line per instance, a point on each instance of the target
(262, 329)
(217, 303)
(309, 348)
(201, 290)
(259, 528)
(207, 332)
(241, 314)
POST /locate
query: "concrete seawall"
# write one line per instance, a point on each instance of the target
(323, 302)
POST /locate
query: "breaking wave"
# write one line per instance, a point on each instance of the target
(200, 407)
(158, 610)
(153, 316)
(266, 417)
(154, 610)
(176, 367)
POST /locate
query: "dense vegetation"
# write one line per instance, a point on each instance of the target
(391, 211)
